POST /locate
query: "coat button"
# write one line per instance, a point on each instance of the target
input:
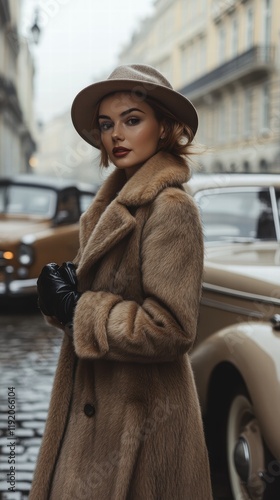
(89, 410)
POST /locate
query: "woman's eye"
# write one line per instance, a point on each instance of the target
(105, 126)
(133, 121)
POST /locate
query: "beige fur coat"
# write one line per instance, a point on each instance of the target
(124, 420)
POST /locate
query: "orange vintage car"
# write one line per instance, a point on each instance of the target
(236, 359)
(38, 224)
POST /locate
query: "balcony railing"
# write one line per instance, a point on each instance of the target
(220, 7)
(258, 59)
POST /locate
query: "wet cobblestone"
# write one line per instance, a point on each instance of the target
(29, 351)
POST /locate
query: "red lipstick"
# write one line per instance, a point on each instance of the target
(119, 152)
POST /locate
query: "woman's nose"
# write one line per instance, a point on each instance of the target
(117, 134)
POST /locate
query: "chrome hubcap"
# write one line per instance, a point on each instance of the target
(241, 458)
(245, 451)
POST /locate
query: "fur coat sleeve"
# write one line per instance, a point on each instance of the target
(163, 326)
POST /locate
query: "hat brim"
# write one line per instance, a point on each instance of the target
(84, 104)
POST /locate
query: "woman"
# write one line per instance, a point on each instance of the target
(124, 419)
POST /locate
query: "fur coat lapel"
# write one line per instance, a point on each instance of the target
(109, 219)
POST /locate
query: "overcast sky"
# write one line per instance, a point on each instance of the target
(80, 42)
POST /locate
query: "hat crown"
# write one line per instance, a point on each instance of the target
(140, 80)
(140, 72)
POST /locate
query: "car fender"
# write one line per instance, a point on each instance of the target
(253, 348)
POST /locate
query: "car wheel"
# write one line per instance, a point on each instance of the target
(245, 450)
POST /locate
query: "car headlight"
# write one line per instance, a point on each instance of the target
(7, 255)
(25, 254)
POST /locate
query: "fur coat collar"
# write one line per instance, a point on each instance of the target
(110, 217)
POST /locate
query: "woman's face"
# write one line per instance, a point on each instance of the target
(129, 130)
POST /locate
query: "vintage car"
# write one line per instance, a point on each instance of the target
(38, 224)
(236, 359)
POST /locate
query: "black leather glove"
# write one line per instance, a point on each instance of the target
(57, 290)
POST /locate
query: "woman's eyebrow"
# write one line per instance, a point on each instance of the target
(124, 113)
(130, 110)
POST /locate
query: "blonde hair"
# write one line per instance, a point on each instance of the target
(177, 138)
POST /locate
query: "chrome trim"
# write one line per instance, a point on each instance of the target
(275, 212)
(225, 188)
(231, 308)
(19, 287)
(241, 295)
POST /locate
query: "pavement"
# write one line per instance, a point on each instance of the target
(29, 351)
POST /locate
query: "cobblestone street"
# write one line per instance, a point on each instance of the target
(28, 356)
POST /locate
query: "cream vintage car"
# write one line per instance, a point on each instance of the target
(38, 224)
(236, 359)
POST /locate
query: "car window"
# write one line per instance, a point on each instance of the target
(85, 201)
(237, 214)
(29, 200)
(68, 206)
(277, 192)
(2, 198)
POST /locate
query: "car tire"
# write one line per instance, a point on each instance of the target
(245, 450)
(229, 416)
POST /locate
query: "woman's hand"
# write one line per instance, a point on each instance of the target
(57, 290)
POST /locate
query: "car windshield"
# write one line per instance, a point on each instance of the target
(238, 214)
(28, 200)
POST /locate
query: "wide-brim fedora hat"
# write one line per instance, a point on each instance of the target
(142, 81)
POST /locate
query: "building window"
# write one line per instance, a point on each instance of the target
(234, 116)
(193, 8)
(267, 22)
(166, 25)
(202, 127)
(265, 107)
(203, 6)
(222, 44)
(192, 61)
(184, 65)
(189, 11)
(165, 67)
(234, 37)
(217, 167)
(185, 13)
(246, 167)
(222, 122)
(248, 105)
(202, 56)
(249, 28)
(263, 166)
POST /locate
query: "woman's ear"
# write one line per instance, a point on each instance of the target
(163, 129)
(162, 132)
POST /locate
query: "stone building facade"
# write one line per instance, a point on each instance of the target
(225, 56)
(17, 126)
(63, 154)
